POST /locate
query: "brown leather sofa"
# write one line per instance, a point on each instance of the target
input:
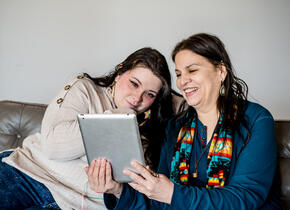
(18, 120)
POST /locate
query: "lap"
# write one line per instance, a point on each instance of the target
(19, 191)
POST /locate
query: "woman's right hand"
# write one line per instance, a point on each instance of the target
(100, 178)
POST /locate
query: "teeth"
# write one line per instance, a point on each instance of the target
(190, 89)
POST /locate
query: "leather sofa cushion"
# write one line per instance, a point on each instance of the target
(282, 131)
(18, 120)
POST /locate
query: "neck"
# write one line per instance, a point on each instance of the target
(208, 117)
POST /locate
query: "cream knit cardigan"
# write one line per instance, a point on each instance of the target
(56, 156)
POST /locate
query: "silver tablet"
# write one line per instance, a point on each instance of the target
(113, 136)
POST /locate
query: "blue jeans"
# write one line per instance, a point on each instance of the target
(19, 191)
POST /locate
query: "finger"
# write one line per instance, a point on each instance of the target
(149, 169)
(138, 187)
(90, 173)
(91, 168)
(108, 172)
(95, 169)
(102, 172)
(86, 169)
(146, 173)
(135, 177)
(152, 172)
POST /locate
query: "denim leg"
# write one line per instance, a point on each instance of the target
(19, 191)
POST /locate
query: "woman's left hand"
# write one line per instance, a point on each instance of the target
(154, 186)
(100, 178)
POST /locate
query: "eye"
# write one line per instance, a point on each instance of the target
(134, 84)
(151, 95)
(192, 70)
(178, 75)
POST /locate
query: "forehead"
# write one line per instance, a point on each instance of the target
(186, 58)
(145, 76)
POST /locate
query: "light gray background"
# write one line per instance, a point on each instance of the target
(45, 43)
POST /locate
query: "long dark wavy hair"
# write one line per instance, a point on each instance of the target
(236, 90)
(153, 129)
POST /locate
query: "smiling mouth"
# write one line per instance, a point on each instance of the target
(189, 91)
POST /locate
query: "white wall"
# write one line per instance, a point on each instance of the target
(44, 43)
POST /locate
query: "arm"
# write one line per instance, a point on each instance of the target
(60, 134)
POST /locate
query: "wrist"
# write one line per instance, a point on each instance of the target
(118, 191)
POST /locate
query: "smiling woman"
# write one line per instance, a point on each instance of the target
(219, 153)
(48, 171)
(198, 79)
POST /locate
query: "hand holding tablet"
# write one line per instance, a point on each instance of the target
(114, 137)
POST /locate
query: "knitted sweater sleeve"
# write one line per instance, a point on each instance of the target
(60, 134)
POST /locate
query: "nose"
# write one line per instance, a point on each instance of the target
(184, 79)
(138, 97)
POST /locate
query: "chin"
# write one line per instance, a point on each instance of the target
(192, 103)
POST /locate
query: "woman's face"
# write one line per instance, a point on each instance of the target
(136, 89)
(198, 80)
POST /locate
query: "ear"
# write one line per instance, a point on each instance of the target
(223, 71)
(117, 78)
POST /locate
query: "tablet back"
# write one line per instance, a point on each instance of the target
(113, 136)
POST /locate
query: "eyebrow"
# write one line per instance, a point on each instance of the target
(188, 66)
(140, 83)
(193, 64)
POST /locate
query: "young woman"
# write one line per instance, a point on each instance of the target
(220, 153)
(48, 171)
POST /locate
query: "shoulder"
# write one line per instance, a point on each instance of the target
(256, 118)
(256, 112)
(81, 82)
(76, 89)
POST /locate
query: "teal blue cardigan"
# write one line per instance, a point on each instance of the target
(250, 185)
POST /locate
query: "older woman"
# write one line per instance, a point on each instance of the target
(220, 153)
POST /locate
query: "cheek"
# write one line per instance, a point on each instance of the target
(178, 84)
(120, 94)
(122, 86)
(147, 103)
(122, 89)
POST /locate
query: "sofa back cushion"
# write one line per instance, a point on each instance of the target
(18, 120)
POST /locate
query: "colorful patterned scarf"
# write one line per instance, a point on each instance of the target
(218, 160)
